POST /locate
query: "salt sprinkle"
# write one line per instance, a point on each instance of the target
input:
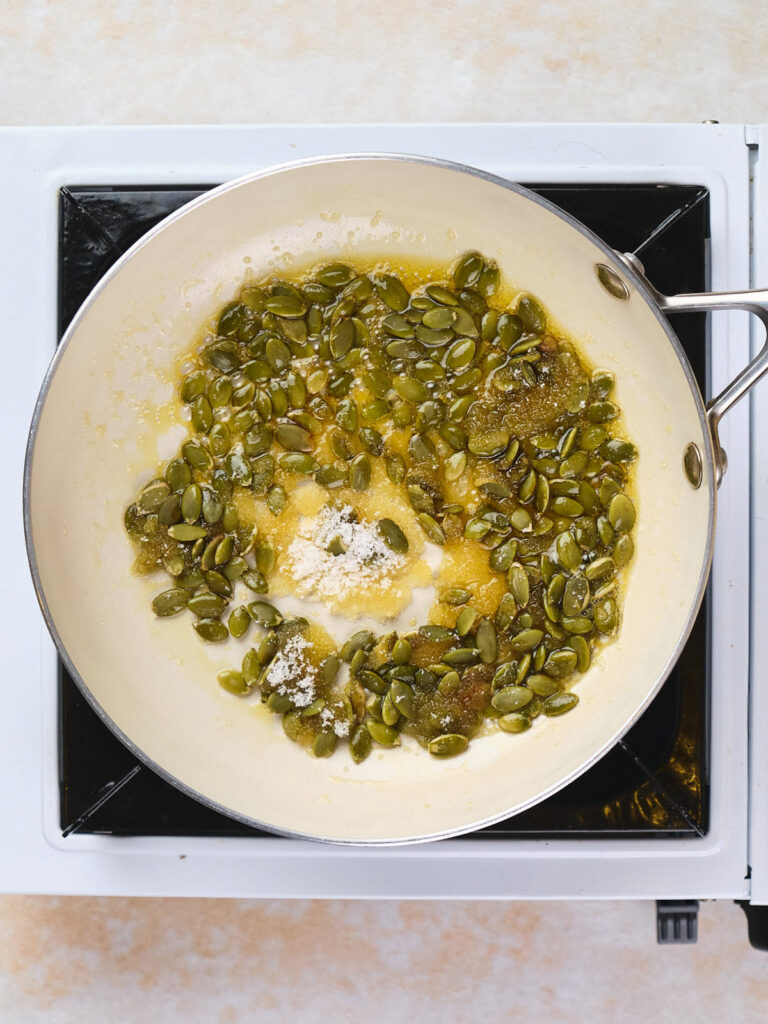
(366, 560)
(291, 666)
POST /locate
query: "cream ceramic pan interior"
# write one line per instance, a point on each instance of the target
(96, 437)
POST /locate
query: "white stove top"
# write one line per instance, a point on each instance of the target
(34, 163)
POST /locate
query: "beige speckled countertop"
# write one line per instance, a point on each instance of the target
(130, 61)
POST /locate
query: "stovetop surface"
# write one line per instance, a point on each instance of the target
(652, 783)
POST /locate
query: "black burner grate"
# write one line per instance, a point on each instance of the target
(652, 783)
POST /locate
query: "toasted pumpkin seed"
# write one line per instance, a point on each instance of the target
(448, 745)
(511, 698)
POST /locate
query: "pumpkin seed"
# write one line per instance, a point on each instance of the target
(575, 596)
(485, 638)
(519, 584)
(264, 613)
(255, 581)
(455, 596)
(623, 551)
(568, 553)
(401, 652)
(526, 640)
(465, 621)
(384, 735)
(560, 663)
(468, 269)
(239, 621)
(170, 602)
(432, 528)
(621, 513)
(454, 466)
(360, 744)
(186, 532)
(293, 437)
(514, 722)
(448, 745)
(392, 291)
(461, 656)
(606, 616)
(298, 462)
(211, 630)
(360, 473)
(233, 682)
(559, 703)
(531, 315)
(392, 536)
(511, 698)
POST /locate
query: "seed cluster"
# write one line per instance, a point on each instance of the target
(320, 379)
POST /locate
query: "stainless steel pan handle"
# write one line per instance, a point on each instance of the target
(753, 301)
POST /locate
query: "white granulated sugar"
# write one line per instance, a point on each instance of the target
(366, 561)
(290, 666)
(341, 728)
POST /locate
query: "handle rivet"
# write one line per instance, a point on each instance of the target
(611, 281)
(692, 465)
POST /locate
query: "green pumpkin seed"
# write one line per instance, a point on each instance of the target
(153, 496)
(360, 744)
(239, 621)
(324, 743)
(360, 473)
(601, 412)
(255, 581)
(559, 703)
(384, 735)
(372, 681)
(623, 551)
(468, 269)
(560, 663)
(461, 353)
(191, 503)
(454, 466)
(465, 621)
(293, 437)
(202, 414)
(455, 596)
(402, 697)
(395, 466)
(485, 638)
(392, 536)
(461, 656)
(531, 315)
(401, 652)
(432, 528)
(514, 722)
(392, 291)
(568, 553)
(342, 338)
(211, 630)
(575, 596)
(186, 532)
(233, 682)
(264, 613)
(526, 640)
(170, 602)
(298, 462)
(606, 616)
(207, 605)
(519, 584)
(511, 698)
(568, 507)
(621, 513)
(192, 386)
(448, 745)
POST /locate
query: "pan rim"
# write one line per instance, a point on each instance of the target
(627, 271)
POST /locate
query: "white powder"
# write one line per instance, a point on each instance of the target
(367, 560)
(341, 728)
(290, 666)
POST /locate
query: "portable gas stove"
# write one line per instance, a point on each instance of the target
(677, 811)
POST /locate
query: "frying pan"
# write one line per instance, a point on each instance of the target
(96, 437)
